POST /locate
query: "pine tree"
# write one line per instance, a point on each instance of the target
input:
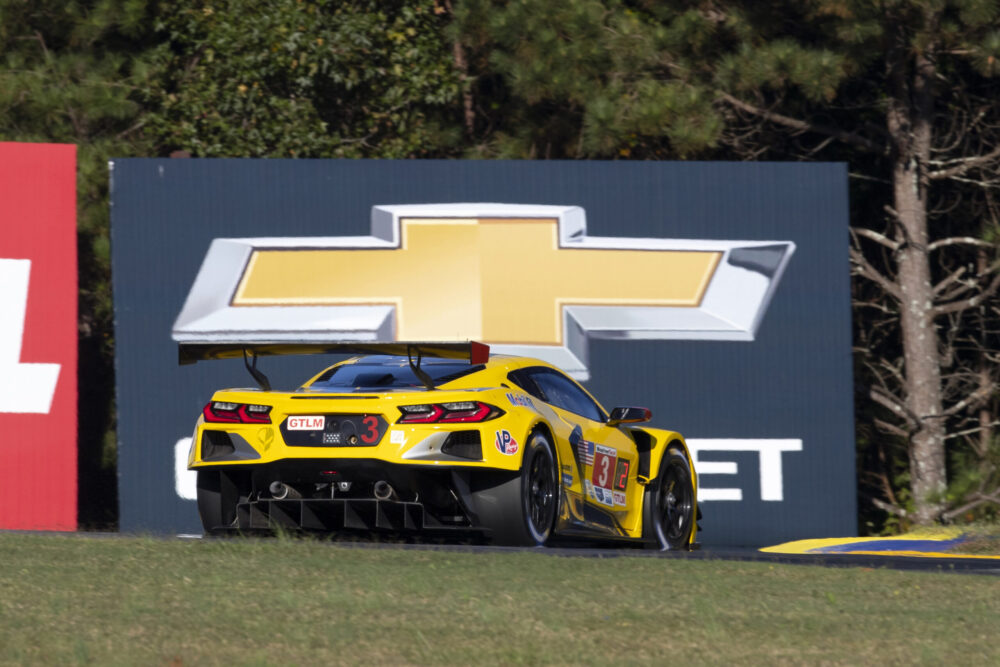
(305, 79)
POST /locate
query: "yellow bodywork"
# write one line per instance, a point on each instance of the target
(523, 414)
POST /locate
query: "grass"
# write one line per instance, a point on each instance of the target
(981, 538)
(77, 600)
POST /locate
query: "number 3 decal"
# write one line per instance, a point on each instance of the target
(372, 434)
(602, 480)
(604, 462)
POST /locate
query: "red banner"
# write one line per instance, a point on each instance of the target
(38, 341)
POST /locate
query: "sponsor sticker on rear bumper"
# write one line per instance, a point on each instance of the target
(306, 423)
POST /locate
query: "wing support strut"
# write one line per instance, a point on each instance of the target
(261, 379)
(419, 372)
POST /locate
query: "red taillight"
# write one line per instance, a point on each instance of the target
(476, 412)
(448, 413)
(420, 414)
(255, 414)
(220, 412)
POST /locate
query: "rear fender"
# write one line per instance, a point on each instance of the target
(538, 425)
(662, 441)
(541, 425)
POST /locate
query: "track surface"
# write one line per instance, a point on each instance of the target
(963, 565)
(958, 565)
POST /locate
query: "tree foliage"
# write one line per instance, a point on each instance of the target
(292, 78)
(639, 80)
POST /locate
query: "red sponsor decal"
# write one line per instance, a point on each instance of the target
(38, 293)
(311, 423)
(505, 443)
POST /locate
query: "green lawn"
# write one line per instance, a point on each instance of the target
(981, 538)
(143, 601)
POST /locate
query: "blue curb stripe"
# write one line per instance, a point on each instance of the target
(892, 545)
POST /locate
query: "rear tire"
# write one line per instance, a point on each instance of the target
(218, 494)
(521, 510)
(209, 500)
(668, 505)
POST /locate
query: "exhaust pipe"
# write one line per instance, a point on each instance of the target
(280, 491)
(384, 491)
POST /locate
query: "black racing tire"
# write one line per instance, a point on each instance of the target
(669, 505)
(218, 495)
(209, 500)
(521, 510)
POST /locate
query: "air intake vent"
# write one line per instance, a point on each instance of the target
(216, 444)
(464, 445)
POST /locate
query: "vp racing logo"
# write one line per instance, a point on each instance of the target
(526, 279)
(505, 443)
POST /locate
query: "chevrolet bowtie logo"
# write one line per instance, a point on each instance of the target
(525, 279)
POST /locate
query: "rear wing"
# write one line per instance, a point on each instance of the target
(475, 353)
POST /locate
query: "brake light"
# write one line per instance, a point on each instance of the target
(470, 411)
(221, 412)
(255, 414)
(420, 414)
(448, 413)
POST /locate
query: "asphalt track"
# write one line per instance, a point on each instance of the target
(748, 554)
(939, 563)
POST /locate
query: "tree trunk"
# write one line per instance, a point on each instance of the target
(987, 412)
(910, 107)
(462, 64)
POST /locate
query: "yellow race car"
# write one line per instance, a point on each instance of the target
(436, 438)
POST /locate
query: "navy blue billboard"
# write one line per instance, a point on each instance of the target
(719, 299)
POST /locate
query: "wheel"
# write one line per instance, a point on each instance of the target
(521, 510)
(209, 500)
(668, 518)
(218, 495)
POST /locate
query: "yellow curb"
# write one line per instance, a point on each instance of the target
(805, 546)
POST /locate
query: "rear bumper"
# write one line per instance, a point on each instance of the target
(419, 445)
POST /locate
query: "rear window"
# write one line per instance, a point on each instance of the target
(390, 374)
